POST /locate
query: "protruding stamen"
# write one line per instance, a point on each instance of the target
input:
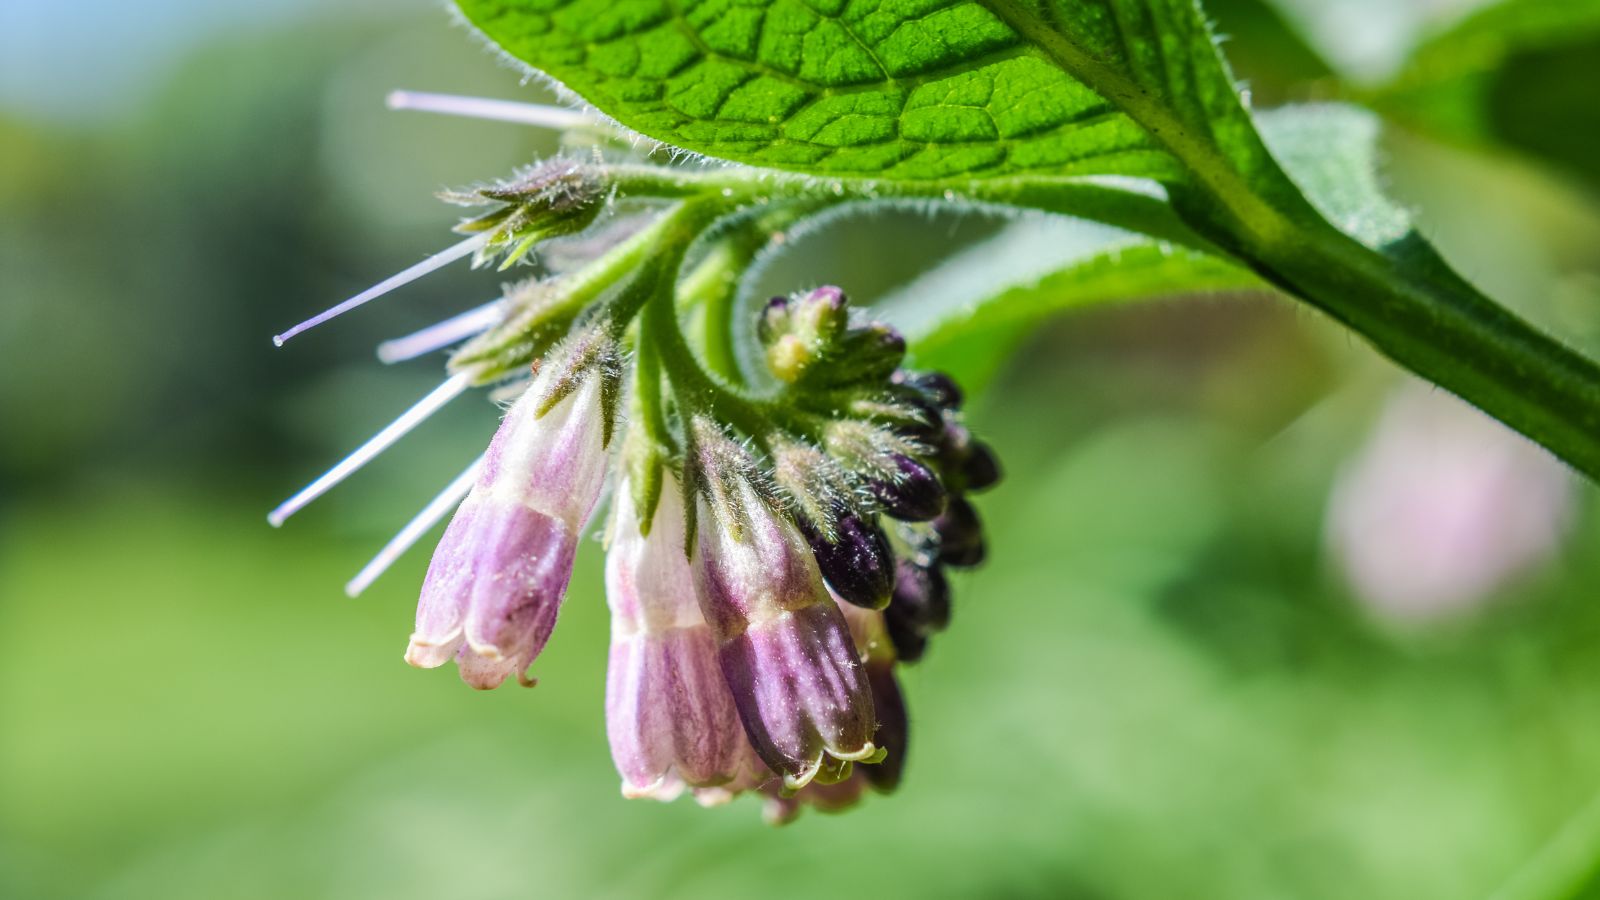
(379, 442)
(442, 334)
(432, 263)
(437, 509)
(553, 117)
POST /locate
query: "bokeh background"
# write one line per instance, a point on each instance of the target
(1162, 685)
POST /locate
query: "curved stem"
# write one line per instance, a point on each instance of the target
(692, 385)
(1414, 310)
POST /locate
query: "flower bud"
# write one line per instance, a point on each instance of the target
(552, 200)
(960, 535)
(800, 331)
(981, 469)
(910, 645)
(893, 732)
(669, 715)
(870, 353)
(937, 386)
(498, 576)
(855, 561)
(783, 645)
(912, 494)
(921, 597)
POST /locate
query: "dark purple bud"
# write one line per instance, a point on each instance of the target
(939, 387)
(893, 729)
(921, 597)
(913, 494)
(960, 535)
(909, 643)
(981, 470)
(925, 423)
(857, 563)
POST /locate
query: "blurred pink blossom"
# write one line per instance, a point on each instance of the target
(1443, 507)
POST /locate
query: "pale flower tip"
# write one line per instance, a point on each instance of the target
(663, 789)
(278, 340)
(711, 797)
(425, 655)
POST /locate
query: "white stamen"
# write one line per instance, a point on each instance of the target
(437, 509)
(436, 261)
(379, 442)
(442, 334)
(553, 117)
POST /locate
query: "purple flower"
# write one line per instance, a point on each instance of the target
(669, 714)
(1443, 507)
(783, 645)
(498, 576)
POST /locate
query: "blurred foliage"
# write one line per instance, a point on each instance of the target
(1155, 689)
(1507, 75)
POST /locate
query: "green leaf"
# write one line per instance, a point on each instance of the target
(966, 314)
(918, 89)
(999, 99)
(1520, 73)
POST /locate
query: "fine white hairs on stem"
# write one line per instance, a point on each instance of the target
(553, 117)
(437, 509)
(442, 334)
(427, 406)
(437, 261)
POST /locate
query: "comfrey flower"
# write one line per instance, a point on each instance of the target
(500, 572)
(670, 715)
(783, 645)
(1443, 508)
(782, 520)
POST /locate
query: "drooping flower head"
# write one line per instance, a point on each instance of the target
(783, 519)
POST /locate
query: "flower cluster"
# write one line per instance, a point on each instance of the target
(786, 494)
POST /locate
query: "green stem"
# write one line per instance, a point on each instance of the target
(1406, 301)
(1418, 313)
(1128, 208)
(695, 388)
(714, 284)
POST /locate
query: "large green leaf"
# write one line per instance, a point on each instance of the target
(906, 89)
(965, 314)
(999, 99)
(1520, 73)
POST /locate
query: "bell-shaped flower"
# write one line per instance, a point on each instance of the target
(499, 574)
(669, 714)
(784, 647)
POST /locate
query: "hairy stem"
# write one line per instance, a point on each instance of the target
(1446, 331)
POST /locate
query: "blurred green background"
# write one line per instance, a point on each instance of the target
(1158, 687)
